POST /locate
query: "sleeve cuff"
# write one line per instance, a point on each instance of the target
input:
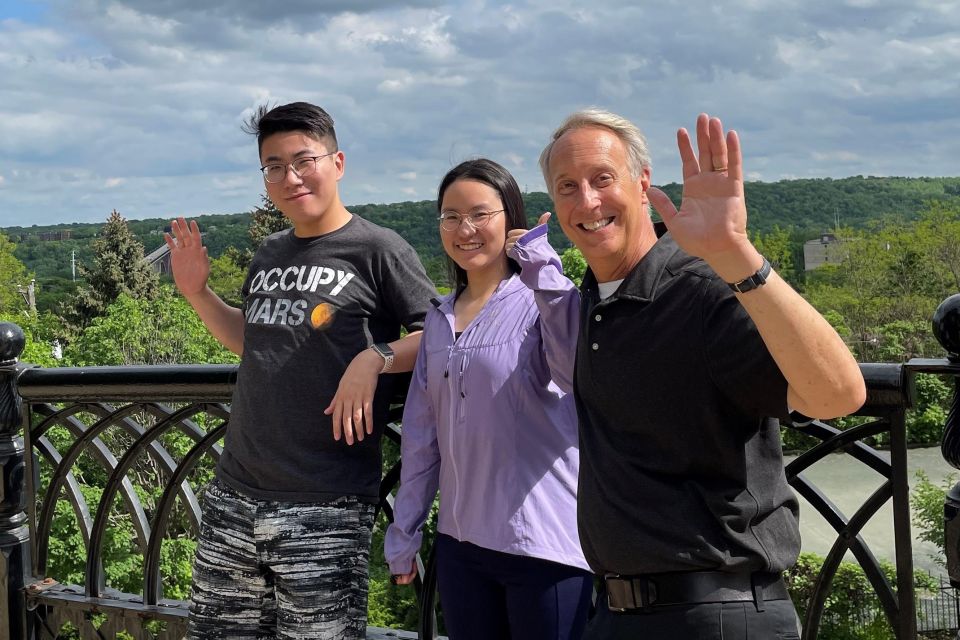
(540, 266)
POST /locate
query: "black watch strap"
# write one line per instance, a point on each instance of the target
(756, 280)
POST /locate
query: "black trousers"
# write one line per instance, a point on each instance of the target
(714, 621)
(491, 595)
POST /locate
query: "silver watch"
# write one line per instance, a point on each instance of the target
(386, 353)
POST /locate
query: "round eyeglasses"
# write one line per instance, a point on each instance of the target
(450, 221)
(274, 173)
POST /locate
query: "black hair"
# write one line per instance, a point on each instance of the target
(296, 116)
(500, 180)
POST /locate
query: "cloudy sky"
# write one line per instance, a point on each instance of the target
(137, 104)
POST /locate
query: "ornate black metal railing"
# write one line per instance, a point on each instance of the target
(124, 423)
(162, 425)
(889, 394)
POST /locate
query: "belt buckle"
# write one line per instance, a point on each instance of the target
(636, 593)
(619, 589)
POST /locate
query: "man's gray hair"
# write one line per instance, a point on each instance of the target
(638, 157)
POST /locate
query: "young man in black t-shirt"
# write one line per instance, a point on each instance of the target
(285, 534)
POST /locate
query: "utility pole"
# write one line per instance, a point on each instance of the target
(29, 295)
(73, 264)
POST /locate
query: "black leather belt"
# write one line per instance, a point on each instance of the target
(641, 593)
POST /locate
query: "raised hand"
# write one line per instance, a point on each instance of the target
(515, 234)
(712, 221)
(188, 257)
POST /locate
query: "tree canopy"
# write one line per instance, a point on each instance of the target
(118, 268)
(13, 276)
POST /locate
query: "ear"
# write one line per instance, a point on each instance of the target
(340, 161)
(644, 182)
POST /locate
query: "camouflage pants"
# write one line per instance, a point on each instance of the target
(266, 569)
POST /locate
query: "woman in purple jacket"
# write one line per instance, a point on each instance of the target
(488, 421)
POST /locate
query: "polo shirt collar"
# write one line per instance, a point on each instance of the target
(643, 280)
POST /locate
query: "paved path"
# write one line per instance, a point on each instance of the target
(848, 483)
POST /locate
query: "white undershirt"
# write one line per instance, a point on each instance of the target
(607, 289)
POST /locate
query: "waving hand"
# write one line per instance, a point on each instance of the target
(712, 220)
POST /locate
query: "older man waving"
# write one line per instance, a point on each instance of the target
(690, 347)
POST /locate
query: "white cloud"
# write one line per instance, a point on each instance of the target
(156, 92)
(513, 160)
(836, 156)
(113, 182)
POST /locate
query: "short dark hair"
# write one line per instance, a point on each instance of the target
(500, 180)
(296, 116)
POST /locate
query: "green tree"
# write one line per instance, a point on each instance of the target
(40, 331)
(226, 279)
(927, 500)
(118, 268)
(778, 247)
(851, 599)
(885, 290)
(267, 219)
(162, 330)
(574, 266)
(13, 275)
(938, 234)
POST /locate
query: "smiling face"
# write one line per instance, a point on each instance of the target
(600, 206)
(311, 202)
(475, 250)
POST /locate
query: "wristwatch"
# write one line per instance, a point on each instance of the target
(750, 283)
(385, 352)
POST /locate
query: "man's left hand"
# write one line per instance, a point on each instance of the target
(352, 405)
(712, 221)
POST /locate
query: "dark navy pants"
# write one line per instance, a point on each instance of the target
(487, 594)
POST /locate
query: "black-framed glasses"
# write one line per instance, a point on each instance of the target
(274, 173)
(450, 221)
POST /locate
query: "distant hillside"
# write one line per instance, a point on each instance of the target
(52, 258)
(810, 206)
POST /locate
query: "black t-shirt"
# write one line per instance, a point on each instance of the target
(680, 467)
(311, 305)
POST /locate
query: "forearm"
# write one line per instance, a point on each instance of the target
(419, 476)
(824, 379)
(411, 510)
(557, 300)
(224, 322)
(405, 352)
(404, 356)
(559, 326)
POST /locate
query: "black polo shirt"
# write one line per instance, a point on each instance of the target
(680, 467)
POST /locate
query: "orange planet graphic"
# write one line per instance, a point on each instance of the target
(322, 315)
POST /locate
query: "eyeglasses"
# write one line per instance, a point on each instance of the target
(274, 173)
(450, 221)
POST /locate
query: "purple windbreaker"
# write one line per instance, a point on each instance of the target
(487, 419)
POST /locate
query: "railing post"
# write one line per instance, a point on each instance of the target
(14, 533)
(946, 328)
